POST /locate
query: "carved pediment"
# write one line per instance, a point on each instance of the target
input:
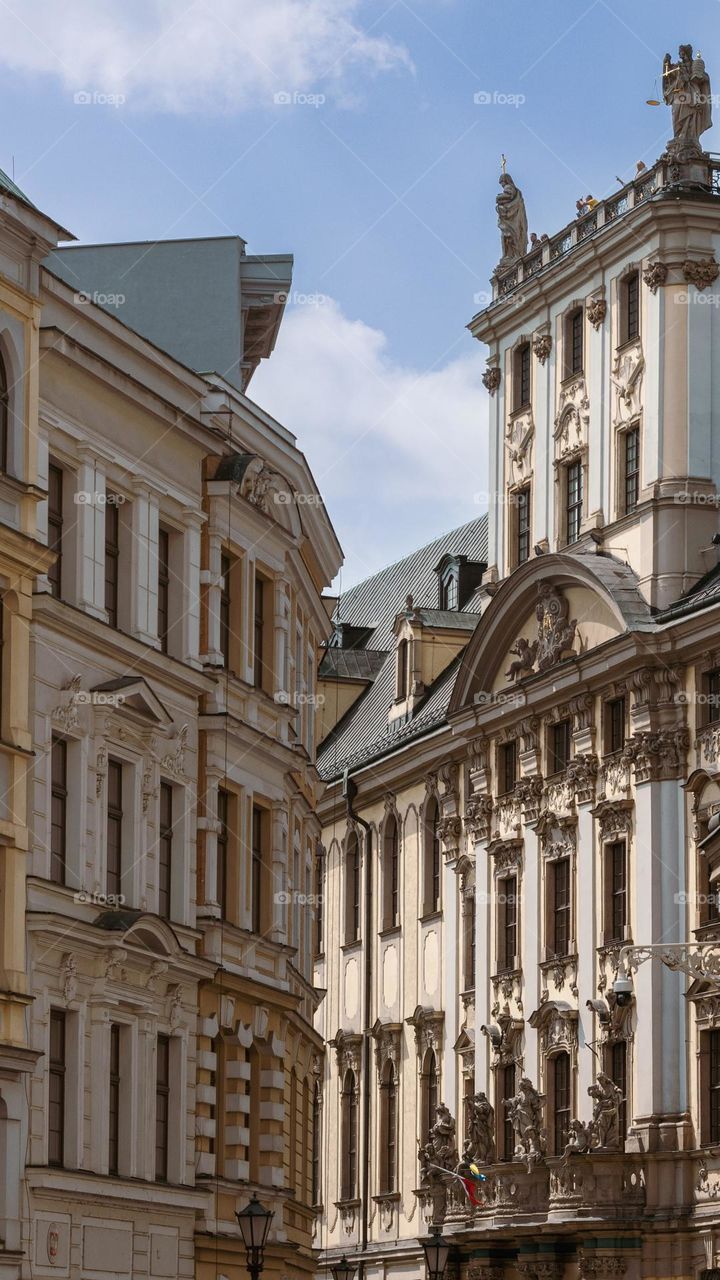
(572, 419)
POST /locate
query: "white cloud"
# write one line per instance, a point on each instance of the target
(398, 453)
(213, 55)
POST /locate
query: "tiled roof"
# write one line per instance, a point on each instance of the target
(7, 184)
(706, 592)
(351, 664)
(377, 601)
(364, 734)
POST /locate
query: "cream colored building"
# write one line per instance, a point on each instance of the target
(158, 1060)
(539, 755)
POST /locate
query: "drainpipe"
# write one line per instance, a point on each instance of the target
(349, 794)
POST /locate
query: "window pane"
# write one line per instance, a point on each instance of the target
(257, 853)
(222, 852)
(163, 588)
(112, 556)
(259, 623)
(55, 524)
(561, 1098)
(523, 525)
(162, 1105)
(165, 849)
(114, 1100)
(58, 812)
(574, 500)
(114, 826)
(56, 1089)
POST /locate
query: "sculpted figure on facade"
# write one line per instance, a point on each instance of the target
(525, 1112)
(481, 1125)
(556, 631)
(512, 221)
(605, 1126)
(440, 1151)
(525, 660)
(687, 91)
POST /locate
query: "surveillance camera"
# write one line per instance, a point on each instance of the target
(622, 989)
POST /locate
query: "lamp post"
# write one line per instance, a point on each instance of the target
(437, 1252)
(343, 1270)
(254, 1222)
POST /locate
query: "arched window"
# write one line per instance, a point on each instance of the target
(391, 874)
(4, 418)
(316, 1189)
(402, 670)
(388, 1128)
(429, 1093)
(433, 863)
(349, 1136)
(352, 888)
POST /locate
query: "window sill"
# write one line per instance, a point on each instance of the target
(627, 343)
(347, 947)
(384, 1196)
(569, 378)
(390, 931)
(347, 1204)
(428, 916)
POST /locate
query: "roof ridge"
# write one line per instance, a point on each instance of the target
(395, 564)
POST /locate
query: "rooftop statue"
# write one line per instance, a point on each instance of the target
(512, 220)
(686, 89)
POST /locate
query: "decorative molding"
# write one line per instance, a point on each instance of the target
(428, 1025)
(348, 1051)
(658, 756)
(596, 311)
(655, 275)
(542, 346)
(388, 1044)
(478, 813)
(701, 273)
(504, 1034)
(615, 818)
(555, 634)
(65, 714)
(491, 379)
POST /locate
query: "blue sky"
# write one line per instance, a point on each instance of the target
(379, 174)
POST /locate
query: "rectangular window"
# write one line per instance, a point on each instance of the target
(712, 693)
(713, 1086)
(163, 607)
(631, 307)
(257, 877)
(469, 940)
(507, 767)
(632, 469)
(165, 850)
(559, 745)
(55, 525)
(319, 914)
(114, 826)
(162, 1108)
(561, 1101)
(523, 525)
(58, 811)
(56, 1089)
(225, 609)
(506, 1081)
(576, 329)
(616, 890)
(114, 1101)
(507, 923)
(402, 671)
(559, 886)
(522, 376)
(449, 599)
(615, 725)
(258, 632)
(112, 557)
(222, 851)
(618, 1075)
(573, 500)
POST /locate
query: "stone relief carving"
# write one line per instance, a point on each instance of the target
(555, 634)
(614, 820)
(701, 274)
(572, 420)
(542, 346)
(615, 778)
(707, 1182)
(173, 761)
(525, 658)
(529, 792)
(658, 756)
(655, 275)
(519, 438)
(525, 1112)
(627, 377)
(596, 311)
(348, 1052)
(387, 1039)
(65, 714)
(504, 1035)
(581, 775)
(491, 379)
(478, 812)
(605, 1124)
(591, 1267)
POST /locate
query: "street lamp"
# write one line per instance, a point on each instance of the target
(254, 1222)
(343, 1270)
(437, 1252)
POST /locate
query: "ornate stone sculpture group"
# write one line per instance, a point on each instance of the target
(555, 635)
(525, 1113)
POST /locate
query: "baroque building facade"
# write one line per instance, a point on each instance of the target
(158, 1059)
(520, 826)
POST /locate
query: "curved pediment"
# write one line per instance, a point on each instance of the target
(550, 609)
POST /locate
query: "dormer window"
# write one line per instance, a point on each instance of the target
(402, 670)
(458, 577)
(449, 592)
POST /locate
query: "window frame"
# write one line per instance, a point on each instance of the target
(58, 796)
(114, 820)
(522, 377)
(165, 849)
(507, 762)
(112, 559)
(353, 889)
(614, 740)
(573, 500)
(349, 1131)
(562, 1100)
(57, 1080)
(391, 873)
(162, 1107)
(559, 745)
(523, 523)
(630, 309)
(163, 588)
(612, 932)
(574, 335)
(55, 520)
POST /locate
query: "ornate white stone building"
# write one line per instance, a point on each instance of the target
(523, 771)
